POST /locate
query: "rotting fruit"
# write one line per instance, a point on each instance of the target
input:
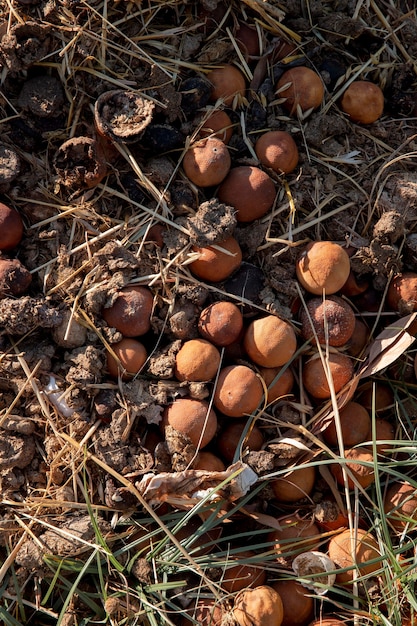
(238, 392)
(205, 612)
(360, 468)
(270, 341)
(221, 323)
(217, 124)
(241, 575)
(207, 162)
(400, 506)
(228, 82)
(15, 279)
(198, 360)
(261, 606)
(130, 357)
(354, 548)
(323, 266)
(229, 437)
(295, 485)
(277, 149)
(339, 368)
(279, 381)
(330, 320)
(355, 425)
(192, 418)
(298, 606)
(131, 312)
(217, 263)
(402, 293)
(301, 87)
(11, 227)
(295, 535)
(363, 102)
(249, 190)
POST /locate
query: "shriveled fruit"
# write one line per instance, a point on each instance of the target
(261, 606)
(130, 356)
(295, 535)
(248, 189)
(298, 606)
(323, 266)
(327, 320)
(197, 361)
(339, 368)
(207, 162)
(217, 263)
(355, 425)
(359, 462)
(228, 82)
(363, 102)
(131, 312)
(354, 548)
(400, 506)
(277, 149)
(238, 391)
(193, 418)
(297, 484)
(270, 341)
(221, 323)
(301, 87)
(241, 575)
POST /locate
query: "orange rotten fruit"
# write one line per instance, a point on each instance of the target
(192, 418)
(301, 87)
(359, 462)
(400, 506)
(270, 341)
(355, 424)
(197, 361)
(221, 323)
(278, 381)
(294, 536)
(298, 606)
(230, 435)
(242, 575)
(207, 162)
(339, 368)
(217, 124)
(363, 102)
(217, 263)
(277, 149)
(131, 312)
(323, 266)
(296, 485)
(352, 549)
(228, 82)
(238, 391)
(130, 355)
(261, 606)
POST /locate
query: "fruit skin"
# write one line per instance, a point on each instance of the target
(314, 375)
(306, 89)
(206, 613)
(355, 425)
(197, 361)
(219, 125)
(363, 102)
(402, 293)
(221, 323)
(282, 386)
(298, 484)
(11, 227)
(228, 81)
(400, 506)
(327, 621)
(238, 391)
(214, 265)
(261, 606)
(193, 419)
(363, 474)
(14, 278)
(132, 356)
(365, 549)
(323, 266)
(249, 190)
(298, 607)
(331, 319)
(131, 312)
(209, 462)
(295, 536)
(277, 149)
(229, 438)
(242, 575)
(270, 341)
(207, 162)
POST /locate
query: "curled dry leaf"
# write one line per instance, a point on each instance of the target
(187, 488)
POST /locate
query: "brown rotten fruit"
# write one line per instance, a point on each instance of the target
(400, 506)
(230, 436)
(207, 162)
(294, 536)
(353, 549)
(249, 190)
(11, 227)
(298, 606)
(331, 320)
(228, 82)
(14, 278)
(261, 606)
(402, 293)
(359, 463)
(131, 312)
(355, 426)
(221, 323)
(363, 102)
(241, 575)
(217, 263)
(296, 485)
(130, 357)
(217, 124)
(192, 418)
(323, 266)
(301, 87)
(316, 379)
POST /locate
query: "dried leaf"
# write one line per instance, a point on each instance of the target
(389, 345)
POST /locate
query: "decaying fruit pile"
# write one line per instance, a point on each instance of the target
(208, 286)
